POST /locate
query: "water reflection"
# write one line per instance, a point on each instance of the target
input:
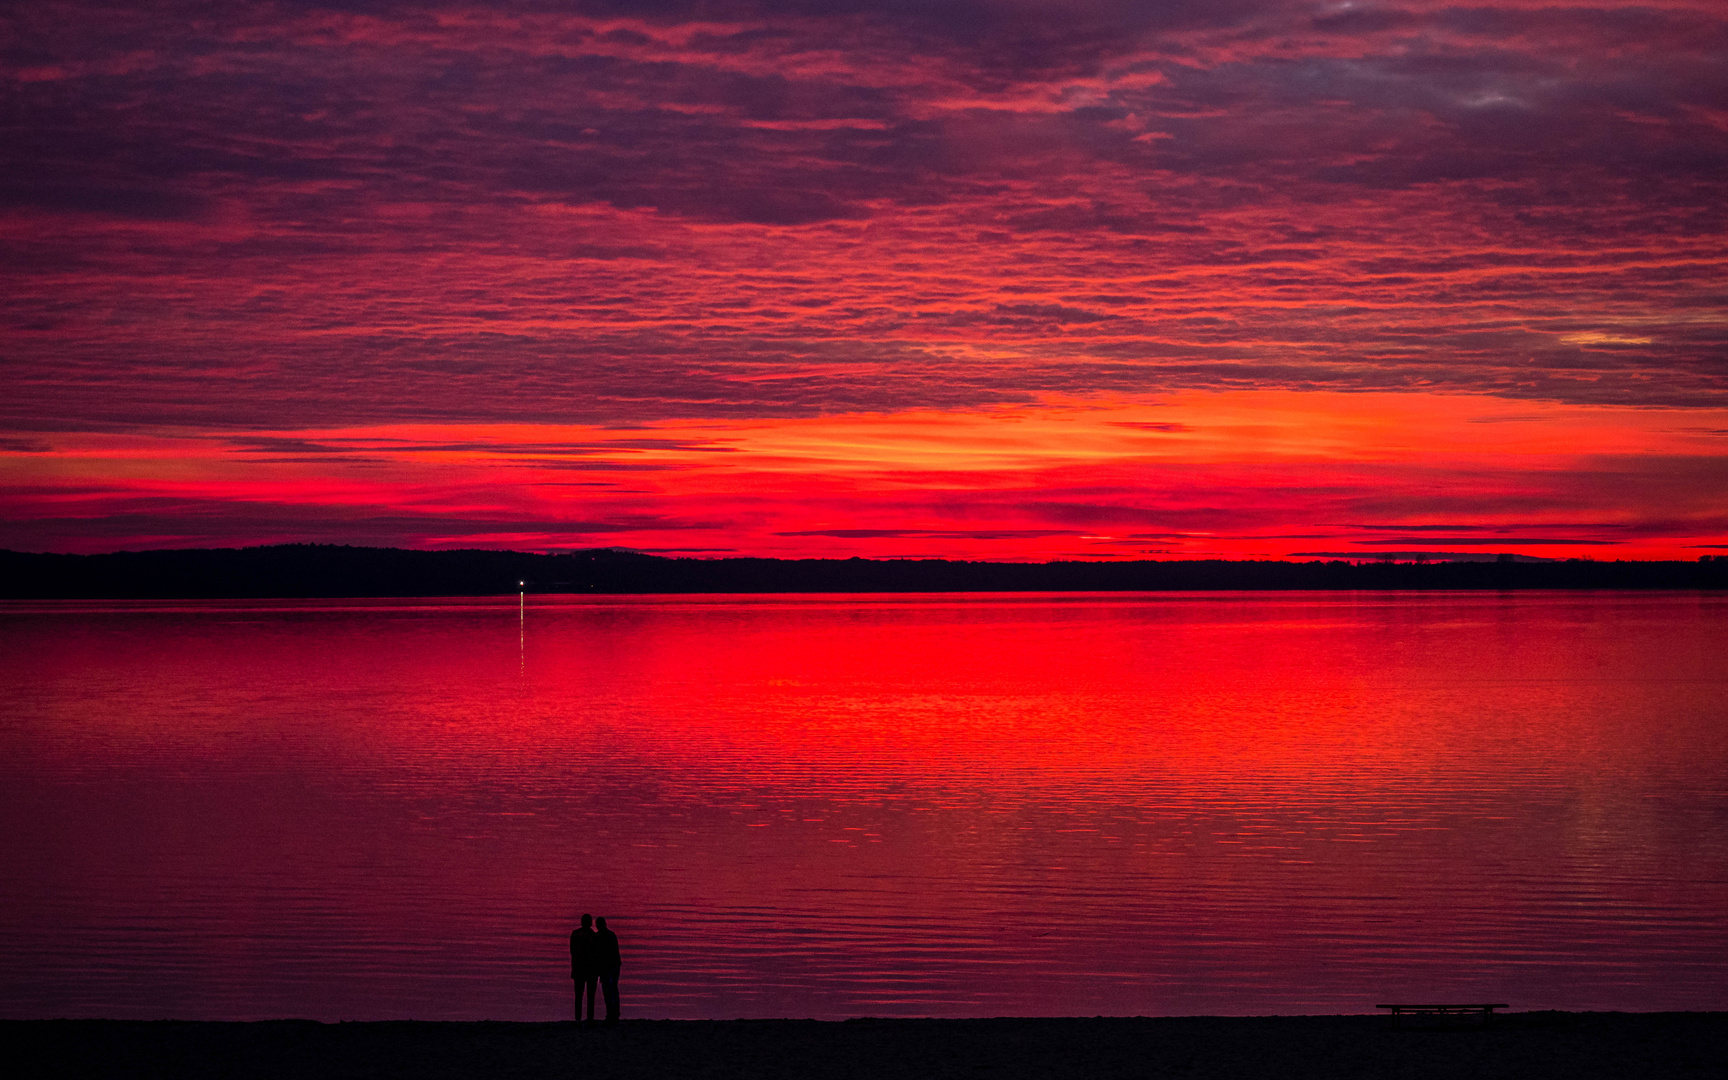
(845, 805)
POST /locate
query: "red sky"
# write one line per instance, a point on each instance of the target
(983, 279)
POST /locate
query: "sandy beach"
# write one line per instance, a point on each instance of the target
(1576, 1046)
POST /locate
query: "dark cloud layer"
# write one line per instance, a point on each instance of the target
(302, 214)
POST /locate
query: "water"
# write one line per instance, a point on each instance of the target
(865, 805)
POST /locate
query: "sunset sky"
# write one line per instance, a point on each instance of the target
(994, 279)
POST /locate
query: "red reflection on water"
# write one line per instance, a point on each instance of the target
(844, 805)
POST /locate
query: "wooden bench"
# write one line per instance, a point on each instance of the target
(1485, 1011)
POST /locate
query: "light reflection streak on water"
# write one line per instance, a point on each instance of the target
(837, 806)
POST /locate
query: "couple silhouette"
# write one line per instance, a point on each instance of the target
(594, 959)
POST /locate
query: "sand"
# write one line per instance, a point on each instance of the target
(1575, 1046)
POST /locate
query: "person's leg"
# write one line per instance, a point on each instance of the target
(609, 983)
(591, 986)
(578, 984)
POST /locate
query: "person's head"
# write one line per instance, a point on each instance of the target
(600, 922)
(588, 920)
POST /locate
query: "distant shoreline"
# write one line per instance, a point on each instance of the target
(292, 571)
(1576, 1046)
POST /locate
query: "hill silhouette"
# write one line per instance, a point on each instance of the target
(327, 570)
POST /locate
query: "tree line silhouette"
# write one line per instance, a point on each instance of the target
(328, 570)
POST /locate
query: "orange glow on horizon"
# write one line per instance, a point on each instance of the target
(1239, 474)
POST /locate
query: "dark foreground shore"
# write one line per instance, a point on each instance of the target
(1574, 1046)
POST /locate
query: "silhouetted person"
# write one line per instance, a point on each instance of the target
(609, 962)
(585, 963)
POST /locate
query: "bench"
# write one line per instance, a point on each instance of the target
(1485, 1011)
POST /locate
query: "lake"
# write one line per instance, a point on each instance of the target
(834, 806)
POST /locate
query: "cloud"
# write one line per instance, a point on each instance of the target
(1492, 541)
(1423, 556)
(897, 534)
(303, 216)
